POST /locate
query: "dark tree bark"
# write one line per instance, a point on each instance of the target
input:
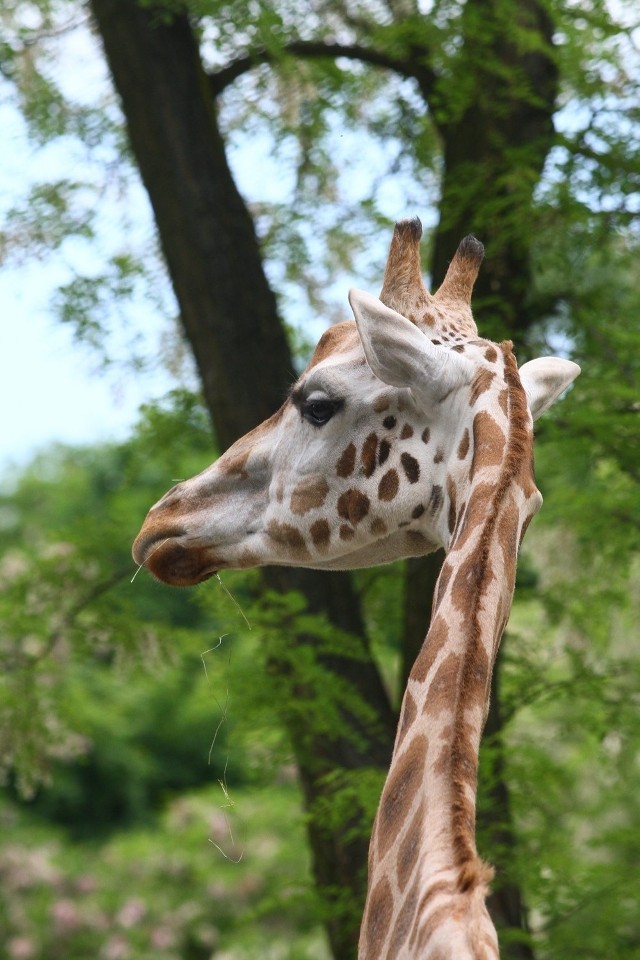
(496, 134)
(506, 902)
(229, 316)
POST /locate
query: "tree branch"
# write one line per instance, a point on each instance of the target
(409, 68)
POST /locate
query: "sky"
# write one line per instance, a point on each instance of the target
(52, 389)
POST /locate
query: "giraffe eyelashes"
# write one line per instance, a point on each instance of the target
(319, 411)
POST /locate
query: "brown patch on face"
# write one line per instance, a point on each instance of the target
(403, 783)
(320, 534)
(378, 527)
(309, 494)
(411, 467)
(236, 463)
(389, 422)
(235, 458)
(406, 432)
(347, 461)
(353, 506)
(481, 383)
(463, 446)
(287, 536)
(488, 442)
(383, 451)
(337, 337)
(438, 635)
(382, 403)
(417, 512)
(459, 348)
(388, 486)
(426, 435)
(368, 454)
(346, 532)
(378, 917)
(491, 354)
(439, 457)
(436, 499)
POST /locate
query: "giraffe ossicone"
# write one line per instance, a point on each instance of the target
(405, 433)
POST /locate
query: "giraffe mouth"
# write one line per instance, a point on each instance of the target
(172, 561)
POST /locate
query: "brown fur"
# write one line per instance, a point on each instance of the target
(346, 461)
(368, 454)
(388, 486)
(320, 534)
(411, 467)
(399, 792)
(353, 506)
(309, 494)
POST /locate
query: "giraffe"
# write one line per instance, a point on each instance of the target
(405, 433)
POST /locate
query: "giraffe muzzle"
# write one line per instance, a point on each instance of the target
(170, 560)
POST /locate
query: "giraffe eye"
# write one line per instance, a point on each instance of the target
(320, 411)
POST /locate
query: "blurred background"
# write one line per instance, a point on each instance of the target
(187, 190)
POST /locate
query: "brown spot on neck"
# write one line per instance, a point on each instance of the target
(400, 790)
(388, 486)
(287, 536)
(463, 446)
(481, 382)
(489, 443)
(411, 467)
(353, 506)
(309, 494)
(368, 454)
(378, 916)
(320, 534)
(347, 461)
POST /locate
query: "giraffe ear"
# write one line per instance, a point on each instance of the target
(400, 354)
(544, 380)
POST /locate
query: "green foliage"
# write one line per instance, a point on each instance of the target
(118, 696)
(211, 877)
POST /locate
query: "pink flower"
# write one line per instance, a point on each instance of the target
(65, 916)
(21, 948)
(131, 913)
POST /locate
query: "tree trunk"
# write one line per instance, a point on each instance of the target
(230, 319)
(496, 138)
(506, 902)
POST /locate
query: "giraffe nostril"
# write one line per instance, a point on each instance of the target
(150, 540)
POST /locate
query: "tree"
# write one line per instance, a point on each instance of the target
(473, 89)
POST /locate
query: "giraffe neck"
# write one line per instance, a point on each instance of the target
(427, 886)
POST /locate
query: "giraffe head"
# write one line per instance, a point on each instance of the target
(369, 457)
